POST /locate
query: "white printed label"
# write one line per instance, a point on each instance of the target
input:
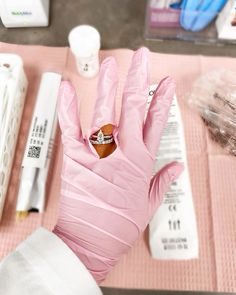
(173, 230)
(42, 121)
(88, 66)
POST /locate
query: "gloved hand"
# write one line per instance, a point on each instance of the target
(107, 203)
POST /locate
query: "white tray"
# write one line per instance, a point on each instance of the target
(17, 91)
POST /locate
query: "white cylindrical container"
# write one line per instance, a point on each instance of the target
(85, 44)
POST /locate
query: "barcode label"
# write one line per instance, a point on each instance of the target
(34, 151)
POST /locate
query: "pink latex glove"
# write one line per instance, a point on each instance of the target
(107, 203)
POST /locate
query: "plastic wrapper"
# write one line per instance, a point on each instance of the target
(214, 96)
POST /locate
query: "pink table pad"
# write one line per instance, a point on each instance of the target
(212, 173)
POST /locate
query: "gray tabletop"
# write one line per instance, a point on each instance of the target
(121, 24)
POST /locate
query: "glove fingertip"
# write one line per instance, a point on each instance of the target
(174, 170)
(162, 180)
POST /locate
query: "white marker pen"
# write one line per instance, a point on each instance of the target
(28, 176)
(35, 163)
(38, 201)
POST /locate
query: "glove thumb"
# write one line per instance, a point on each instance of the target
(161, 182)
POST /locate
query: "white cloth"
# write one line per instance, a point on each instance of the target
(44, 265)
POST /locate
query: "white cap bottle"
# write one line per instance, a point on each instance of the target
(85, 44)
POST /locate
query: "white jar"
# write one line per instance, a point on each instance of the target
(85, 44)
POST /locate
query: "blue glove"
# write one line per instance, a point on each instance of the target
(176, 5)
(196, 15)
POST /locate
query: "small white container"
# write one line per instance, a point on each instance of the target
(85, 44)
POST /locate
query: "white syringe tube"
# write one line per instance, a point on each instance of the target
(35, 163)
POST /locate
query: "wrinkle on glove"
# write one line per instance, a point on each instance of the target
(107, 203)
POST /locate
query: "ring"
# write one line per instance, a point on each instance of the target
(105, 136)
(100, 138)
(104, 142)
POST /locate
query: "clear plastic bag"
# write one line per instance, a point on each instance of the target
(214, 96)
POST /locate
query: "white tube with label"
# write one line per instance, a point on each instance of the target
(35, 163)
(38, 197)
(173, 229)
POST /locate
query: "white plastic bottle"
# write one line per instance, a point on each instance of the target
(85, 44)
